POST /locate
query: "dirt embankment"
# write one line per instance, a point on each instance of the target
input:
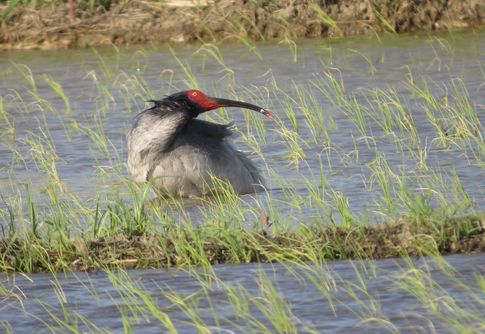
(136, 22)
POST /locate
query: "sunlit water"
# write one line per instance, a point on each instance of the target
(362, 63)
(345, 310)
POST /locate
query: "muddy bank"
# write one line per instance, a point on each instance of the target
(137, 22)
(205, 246)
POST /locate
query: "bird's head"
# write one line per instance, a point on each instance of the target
(197, 103)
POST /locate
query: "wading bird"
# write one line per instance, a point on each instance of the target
(181, 155)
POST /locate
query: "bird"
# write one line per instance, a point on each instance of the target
(182, 156)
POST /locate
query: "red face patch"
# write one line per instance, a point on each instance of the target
(202, 100)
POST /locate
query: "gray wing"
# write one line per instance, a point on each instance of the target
(199, 152)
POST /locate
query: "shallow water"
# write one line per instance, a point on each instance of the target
(357, 295)
(362, 63)
(89, 174)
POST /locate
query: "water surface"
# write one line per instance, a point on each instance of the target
(104, 90)
(359, 292)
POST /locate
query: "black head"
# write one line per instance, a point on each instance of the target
(197, 102)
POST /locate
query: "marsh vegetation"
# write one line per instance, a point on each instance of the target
(377, 151)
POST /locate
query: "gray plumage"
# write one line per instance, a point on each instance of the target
(180, 155)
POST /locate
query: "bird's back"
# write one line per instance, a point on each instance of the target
(186, 163)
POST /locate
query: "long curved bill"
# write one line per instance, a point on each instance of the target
(239, 104)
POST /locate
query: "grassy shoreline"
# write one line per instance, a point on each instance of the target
(28, 24)
(180, 246)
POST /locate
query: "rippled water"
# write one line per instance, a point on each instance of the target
(362, 63)
(356, 297)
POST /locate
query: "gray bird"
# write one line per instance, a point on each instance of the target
(180, 155)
